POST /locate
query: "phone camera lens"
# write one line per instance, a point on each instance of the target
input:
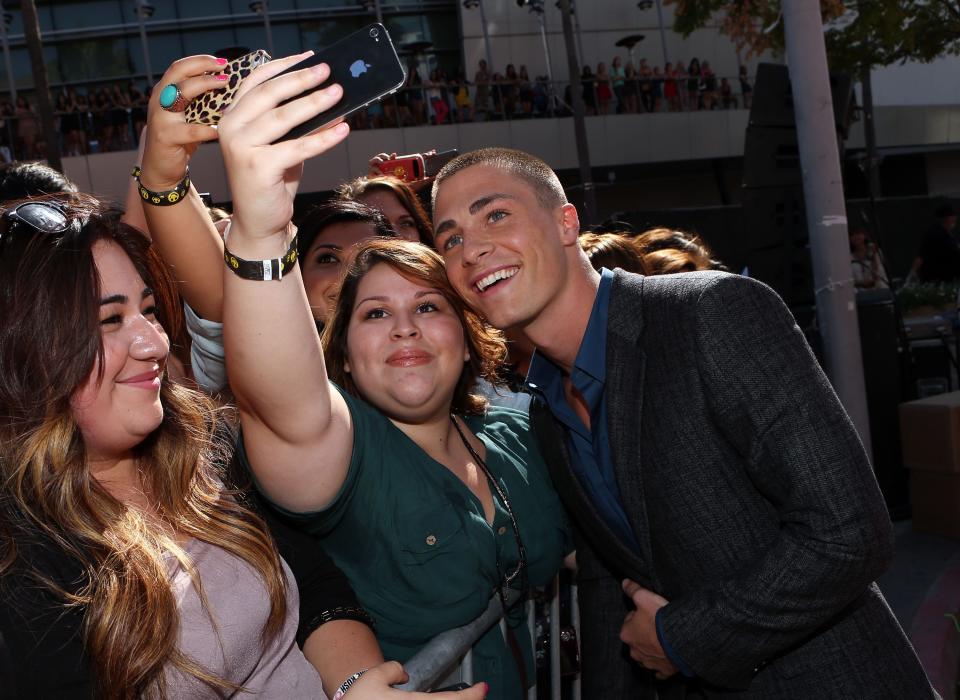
(374, 33)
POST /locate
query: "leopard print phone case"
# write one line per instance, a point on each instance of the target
(208, 107)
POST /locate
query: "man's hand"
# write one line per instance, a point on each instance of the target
(639, 631)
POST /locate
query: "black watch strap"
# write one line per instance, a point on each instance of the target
(263, 270)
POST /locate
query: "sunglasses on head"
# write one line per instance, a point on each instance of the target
(42, 217)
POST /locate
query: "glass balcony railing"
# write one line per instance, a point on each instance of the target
(83, 130)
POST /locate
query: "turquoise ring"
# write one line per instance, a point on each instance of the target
(171, 99)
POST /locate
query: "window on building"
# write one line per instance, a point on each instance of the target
(164, 50)
(93, 59)
(321, 33)
(91, 13)
(206, 8)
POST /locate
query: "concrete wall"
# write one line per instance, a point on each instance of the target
(614, 140)
(943, 174)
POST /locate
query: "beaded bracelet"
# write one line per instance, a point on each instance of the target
(345, 686)
(163, 199)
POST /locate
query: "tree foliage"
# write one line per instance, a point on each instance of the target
(858, 33)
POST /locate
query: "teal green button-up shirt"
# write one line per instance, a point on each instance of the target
(417, 549)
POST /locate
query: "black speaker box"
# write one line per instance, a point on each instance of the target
(774, 216)
(772, 103)
(883, 371)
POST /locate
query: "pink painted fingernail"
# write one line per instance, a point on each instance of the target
(222, 76)
(222, 61)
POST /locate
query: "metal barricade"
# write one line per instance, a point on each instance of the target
(431, 667)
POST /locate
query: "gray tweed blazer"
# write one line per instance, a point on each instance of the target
(755, 506)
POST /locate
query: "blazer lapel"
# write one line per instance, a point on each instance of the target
(617, 557)
(625, 365)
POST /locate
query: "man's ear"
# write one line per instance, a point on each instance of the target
(346, 367)
(570, 224)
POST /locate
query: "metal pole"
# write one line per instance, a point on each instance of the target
(486, 38)
(143, 42)
(663, 33)
(826, 214)
(266, 26)
(6, 53)
(556, 682)
(581, 57)
(376, 8)
(433, 661)
(588, 213)
(870, 133)
(547, 57)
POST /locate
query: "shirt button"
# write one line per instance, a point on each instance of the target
(431, 540)
(502, 530)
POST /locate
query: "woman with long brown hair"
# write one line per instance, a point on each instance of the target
(112, 503)
(128, 568)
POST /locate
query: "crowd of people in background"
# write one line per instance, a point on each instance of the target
(630, 89)
(88, 120)
(109, 117)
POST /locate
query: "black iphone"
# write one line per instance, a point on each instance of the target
(366, 66)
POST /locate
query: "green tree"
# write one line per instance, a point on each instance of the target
(859, 33)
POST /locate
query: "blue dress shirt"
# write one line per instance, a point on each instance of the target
(590, 454)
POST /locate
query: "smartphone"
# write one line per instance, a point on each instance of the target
(417, 166)
(433, 162)
(407, 168)
(366, 66)
(208, 107)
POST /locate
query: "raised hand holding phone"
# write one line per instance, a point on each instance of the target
(170, 140)
(264, 175)
(365, 64)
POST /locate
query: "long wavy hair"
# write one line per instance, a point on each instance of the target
(49, 344)
(421, 265)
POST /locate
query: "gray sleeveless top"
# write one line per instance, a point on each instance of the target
(226, 640)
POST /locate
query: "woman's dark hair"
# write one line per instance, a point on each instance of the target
(338, 211)
(355, 189)
(420, 265)
(19, 180)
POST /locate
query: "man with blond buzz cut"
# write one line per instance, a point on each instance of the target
(715, 480)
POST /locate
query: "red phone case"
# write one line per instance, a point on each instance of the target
(406, 168)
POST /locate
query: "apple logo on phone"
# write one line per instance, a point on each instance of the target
(358, 68)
